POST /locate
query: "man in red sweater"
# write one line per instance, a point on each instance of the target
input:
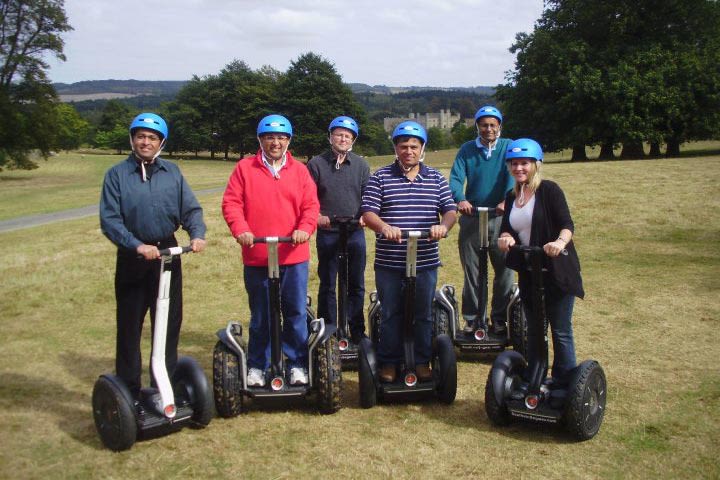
(272, 194)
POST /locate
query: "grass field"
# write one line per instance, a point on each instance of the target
(648, 236)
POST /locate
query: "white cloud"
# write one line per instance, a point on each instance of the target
(428, 42)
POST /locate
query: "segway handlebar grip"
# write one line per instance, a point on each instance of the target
(423, 233)
(270, 239)
(175, 251)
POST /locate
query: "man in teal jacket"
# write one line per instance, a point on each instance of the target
(480, 178)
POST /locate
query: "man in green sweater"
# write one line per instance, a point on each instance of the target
(480, 178)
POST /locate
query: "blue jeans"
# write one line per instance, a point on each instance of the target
(558, 308)
(389, 286)
(328, 242)
(293, 297)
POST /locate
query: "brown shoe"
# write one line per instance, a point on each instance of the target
(423, 372)
(387, 373)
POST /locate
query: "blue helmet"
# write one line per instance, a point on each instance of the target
(275, 124)
(410, 129)
(524, 148)
(488, 111)
(344, 122)
(152, 122)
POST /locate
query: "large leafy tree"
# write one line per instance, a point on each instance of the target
(29, 30)
(311, 94)
(616, 72)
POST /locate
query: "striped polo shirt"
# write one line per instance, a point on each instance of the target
(415, 205)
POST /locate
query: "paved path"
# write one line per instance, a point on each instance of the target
(72, 214)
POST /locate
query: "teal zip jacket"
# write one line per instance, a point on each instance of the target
(480, 180)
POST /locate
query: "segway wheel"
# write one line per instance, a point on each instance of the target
(226, 381)
(518, 328)
(189, 376)
(329, 375)
(114, 416)
(441, 319)
(496, 412)
(446, 369)
(585, 409)
(366, 382)
(505, 372)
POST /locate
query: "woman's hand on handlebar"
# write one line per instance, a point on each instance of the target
(505, 242)
(554, 248)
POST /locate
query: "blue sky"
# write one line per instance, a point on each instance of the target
(440, 43)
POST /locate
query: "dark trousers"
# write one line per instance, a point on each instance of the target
(328, 243)
(136, 289)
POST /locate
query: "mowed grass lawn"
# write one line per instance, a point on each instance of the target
(648, 235)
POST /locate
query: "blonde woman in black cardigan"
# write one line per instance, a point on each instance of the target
(536, 214)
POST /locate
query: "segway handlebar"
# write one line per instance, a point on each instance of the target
(531, 249)
(172, 251)
(417, 233)
(272, 239)
(336, 221)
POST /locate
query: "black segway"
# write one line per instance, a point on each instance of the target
(447, 313)
(230, 357)
(580, 405)
(348, 349)
(444, 362)
(183, 400)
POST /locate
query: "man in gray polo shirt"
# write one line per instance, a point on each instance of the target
(341, 177)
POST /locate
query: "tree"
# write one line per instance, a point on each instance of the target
(616, 72)
(73, 129)
(116, 139)
(114, 113)
(311, 94)
(29, 30)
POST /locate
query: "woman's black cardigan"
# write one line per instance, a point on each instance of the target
(550, 215)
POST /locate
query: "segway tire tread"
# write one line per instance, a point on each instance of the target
(585, 406)
(518, 329)
(114, 417)
(329, 376)
(447, 375)
(226, 381)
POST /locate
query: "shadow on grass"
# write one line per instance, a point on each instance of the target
(30, 394)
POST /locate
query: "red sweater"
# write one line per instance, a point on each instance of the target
(256, 202)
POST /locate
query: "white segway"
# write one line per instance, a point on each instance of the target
(186, 399)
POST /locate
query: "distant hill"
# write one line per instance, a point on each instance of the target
(108, 89)
(383, 89)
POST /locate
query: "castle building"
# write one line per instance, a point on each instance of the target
(444, 120)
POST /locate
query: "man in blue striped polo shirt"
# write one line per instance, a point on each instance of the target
(406, 195)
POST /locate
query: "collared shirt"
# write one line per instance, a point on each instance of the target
(486, 150)
(133, 212)
(408, 205)
(480, 178)
(274, 171)
(339, 189)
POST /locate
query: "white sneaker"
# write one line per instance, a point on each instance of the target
(298, 376)
(256, 378)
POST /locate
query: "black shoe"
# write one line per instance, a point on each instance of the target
(554, 383)
(520, 391)
(469, 328)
